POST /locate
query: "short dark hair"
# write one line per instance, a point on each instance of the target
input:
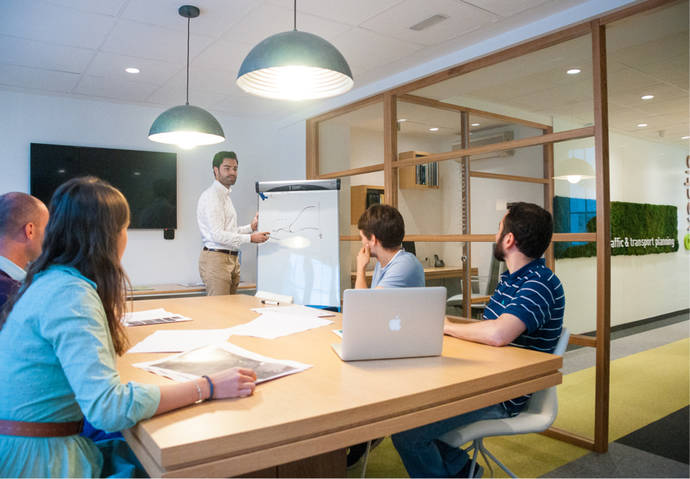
(221, 155)
(532, 227)
(16, 210)
(384, 222)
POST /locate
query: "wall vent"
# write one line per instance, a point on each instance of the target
(489, 138)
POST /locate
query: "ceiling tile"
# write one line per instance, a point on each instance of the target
(116, 88)
(352, 12)
(506, 9)
(29, 53)
(36, 79)
(222, 55)
(58, 25)
(216, 16)
(113, 66)
(269, 20)
(171, 95)
(365, 49)
(396, 22)
(155, 43)
(106, 7)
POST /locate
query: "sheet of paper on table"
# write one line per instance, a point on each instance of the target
(219, 357)
(152, 316)
(278, 321)
(177, 340)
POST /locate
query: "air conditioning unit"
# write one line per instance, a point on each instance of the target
(489, 138)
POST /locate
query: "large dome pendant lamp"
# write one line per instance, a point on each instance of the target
(186, 125)
(295, 66)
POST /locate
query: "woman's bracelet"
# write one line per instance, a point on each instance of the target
(210, 386)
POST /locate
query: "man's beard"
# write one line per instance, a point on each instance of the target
(499, 254)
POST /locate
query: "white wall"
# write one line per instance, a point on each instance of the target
(264, 154)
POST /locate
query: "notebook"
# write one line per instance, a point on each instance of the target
(392, 323)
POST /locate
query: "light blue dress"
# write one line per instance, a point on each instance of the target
(56, 361)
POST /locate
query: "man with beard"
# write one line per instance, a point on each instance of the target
(526, 311)
(381, 229)
(219, 265)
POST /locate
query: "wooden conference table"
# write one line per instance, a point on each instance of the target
(299, 425)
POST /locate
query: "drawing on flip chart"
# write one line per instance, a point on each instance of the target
(297, 230)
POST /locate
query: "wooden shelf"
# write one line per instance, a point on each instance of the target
(411, 178)
(358, 199)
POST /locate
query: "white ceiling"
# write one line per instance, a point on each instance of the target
(81, 47)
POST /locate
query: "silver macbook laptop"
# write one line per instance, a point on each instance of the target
(392, 323)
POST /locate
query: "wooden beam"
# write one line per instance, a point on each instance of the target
(497, 57)
(354, 171)
(561, 237)
(312, 150)
(506, 145)
(466, 214)
(582, 340)
(603, 205)
(442, 105)
(572, 438)
(498, 176)
(549, 192)
(390, 149)
(349, 108)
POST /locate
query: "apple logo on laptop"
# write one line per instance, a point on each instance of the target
(395, 323)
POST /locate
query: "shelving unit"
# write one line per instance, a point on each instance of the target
(418, 177)
(361, 197)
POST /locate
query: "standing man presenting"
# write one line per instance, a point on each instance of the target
(23, 219)
(219, 265)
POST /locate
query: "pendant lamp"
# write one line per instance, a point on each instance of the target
(573, 170)
(186, 125)
(295, 66)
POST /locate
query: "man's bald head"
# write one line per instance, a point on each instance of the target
(23, 219)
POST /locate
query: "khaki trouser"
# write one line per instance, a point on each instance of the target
(220, 272)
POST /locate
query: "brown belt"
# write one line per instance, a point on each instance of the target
(40, 429)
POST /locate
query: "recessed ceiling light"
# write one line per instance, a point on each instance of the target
(429, 22)
(132, 70)
(573, 71)
(687, 137)
(475, 124)
(647, 97)
(435, 128)
(402, 120)
(641, 125)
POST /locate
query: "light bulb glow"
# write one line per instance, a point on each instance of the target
(641, 125)
(132, 70)
(433, 129)
(475, 124)
(647, 97)
(295, 83)
(573, 71)
(186, 139)
(687, 137)
(572, 179)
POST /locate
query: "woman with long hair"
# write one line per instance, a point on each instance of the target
(59, 339)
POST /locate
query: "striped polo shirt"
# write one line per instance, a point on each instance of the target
(535, 295)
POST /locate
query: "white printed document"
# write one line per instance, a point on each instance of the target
(152, 316)
(278, 321)
(177, 340)
(219, 357)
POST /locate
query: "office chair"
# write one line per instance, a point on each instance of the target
(539, 414)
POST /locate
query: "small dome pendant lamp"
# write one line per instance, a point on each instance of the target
(186, 125)
(295, 66)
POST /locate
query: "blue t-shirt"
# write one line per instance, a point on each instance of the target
(535, 295)
(403, 271)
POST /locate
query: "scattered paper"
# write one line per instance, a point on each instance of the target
(219, 357)
(278, 321)
(176, 340)
(338, 332)
(152, 316)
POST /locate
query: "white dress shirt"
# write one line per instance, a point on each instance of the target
(12, 270)
(217, 219)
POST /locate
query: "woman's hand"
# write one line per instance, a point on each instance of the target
(232, 383)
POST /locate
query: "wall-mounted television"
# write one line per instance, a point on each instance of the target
(148, 179)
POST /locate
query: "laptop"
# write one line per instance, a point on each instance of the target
(392, 323)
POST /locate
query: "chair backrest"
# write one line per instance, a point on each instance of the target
(494, 268)
(546, 401)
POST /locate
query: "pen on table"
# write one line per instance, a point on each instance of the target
(268, 301)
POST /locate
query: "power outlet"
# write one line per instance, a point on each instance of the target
(169, 233)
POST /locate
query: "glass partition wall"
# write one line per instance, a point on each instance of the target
(452, 150)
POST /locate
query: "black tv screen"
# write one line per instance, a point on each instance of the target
(148, 179)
